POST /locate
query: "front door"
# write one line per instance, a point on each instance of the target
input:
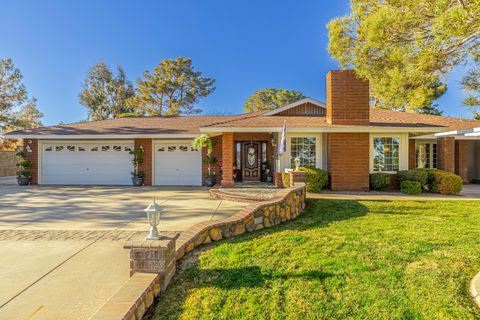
(251, 161)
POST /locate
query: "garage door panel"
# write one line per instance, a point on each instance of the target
(177, 164)
(81, 166)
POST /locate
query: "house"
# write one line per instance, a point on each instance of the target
(345, 137)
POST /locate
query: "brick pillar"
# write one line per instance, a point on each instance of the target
(446, 154)
(297, 176)
(411, 154)
(30, 147)
(348, 98)
(348, 158)
(227, 160)
(146, 166)
(461, 151)
(153, 256)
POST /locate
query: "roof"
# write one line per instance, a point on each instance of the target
(191, 126)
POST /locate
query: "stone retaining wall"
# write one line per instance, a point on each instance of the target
(286, 205)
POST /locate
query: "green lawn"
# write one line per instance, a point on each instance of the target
(339, 260)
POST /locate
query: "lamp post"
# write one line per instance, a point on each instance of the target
(296, 161)
(153, 213)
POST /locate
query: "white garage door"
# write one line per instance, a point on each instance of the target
(177, 164)
(72, 163)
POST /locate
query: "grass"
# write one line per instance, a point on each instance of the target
(339, 260)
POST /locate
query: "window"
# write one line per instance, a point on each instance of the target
(128, 149)
(80, 148)
(426, 155)
(183, 148)
(172, 148)
(305, 149)
(105, 148)
(161, 149)
(94, 148)
(48, 148)
(386, 154)
(58, 148)
(117, 148)
(70, 148)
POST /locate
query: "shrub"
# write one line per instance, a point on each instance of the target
(410, 187)
(317, 179)
(445, 182)
(421, 176)
(379, 181)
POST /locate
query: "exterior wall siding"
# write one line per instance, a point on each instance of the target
(217, 153)
(411, 153)
(348, 161)
(348, 98)
(227, 160)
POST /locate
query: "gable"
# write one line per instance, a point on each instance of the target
(305, 107)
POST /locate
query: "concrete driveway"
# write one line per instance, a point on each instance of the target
(61, 248)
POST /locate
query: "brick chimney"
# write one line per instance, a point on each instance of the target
(348, 98)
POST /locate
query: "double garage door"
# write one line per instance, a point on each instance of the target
(110, 163)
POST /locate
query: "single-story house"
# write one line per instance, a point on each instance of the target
(343, 136)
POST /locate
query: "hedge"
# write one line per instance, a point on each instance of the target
(419, 175)
(445, 182)
(410, 187)
(379, 181)
(317, 179)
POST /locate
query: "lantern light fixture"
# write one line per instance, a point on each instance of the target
(153, 214)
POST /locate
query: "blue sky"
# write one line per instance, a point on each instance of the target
(244, 45)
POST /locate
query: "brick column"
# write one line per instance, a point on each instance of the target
(348, 159)
(297, 176)
(146, 166)
(446, 154)
(227, 160)
(30, 147)
(461, 151)
(411, 154)
(153, 256)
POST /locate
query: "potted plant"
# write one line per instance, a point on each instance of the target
(204, 141)
(137, 176)
(24, 173)
(210, 179)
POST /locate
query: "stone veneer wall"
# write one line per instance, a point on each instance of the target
(138, 294)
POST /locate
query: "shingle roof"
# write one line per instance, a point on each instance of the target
(192, 124)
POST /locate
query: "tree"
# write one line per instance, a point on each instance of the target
(406, 48)
(173, 88)
(471, 84)
(105, 93)
(271, 99)
(17, 111)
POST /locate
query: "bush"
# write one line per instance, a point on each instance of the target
(410, 187)
(445, 182)
(317, 179)
(379, 181)
(421, 176)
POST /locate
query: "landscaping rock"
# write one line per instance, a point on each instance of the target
(215, 234)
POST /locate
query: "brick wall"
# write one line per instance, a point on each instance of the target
(227, 159)
(8, 162)
(446, 154)
(411, 154)
(461, 152)
(146, 166)
(217, 153)
(348, 98)
(32, 145)
(348, 161)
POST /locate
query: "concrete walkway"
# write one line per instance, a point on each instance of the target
(61, 248)
(470, 192)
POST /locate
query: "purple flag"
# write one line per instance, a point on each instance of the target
(283, 142)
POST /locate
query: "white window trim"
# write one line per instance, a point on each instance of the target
(403, 150)
(285, 158)
(431, 142)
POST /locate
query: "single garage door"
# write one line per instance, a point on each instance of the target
(99, 163)
(177, 164)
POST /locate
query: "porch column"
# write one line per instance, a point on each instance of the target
(227, 160)
(411, 154)
(446, 154)
(461, 151)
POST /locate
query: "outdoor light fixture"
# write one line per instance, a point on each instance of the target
(296, 161)
(29, 150)
(153, 213)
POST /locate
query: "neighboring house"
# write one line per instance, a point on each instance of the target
(345, 136)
